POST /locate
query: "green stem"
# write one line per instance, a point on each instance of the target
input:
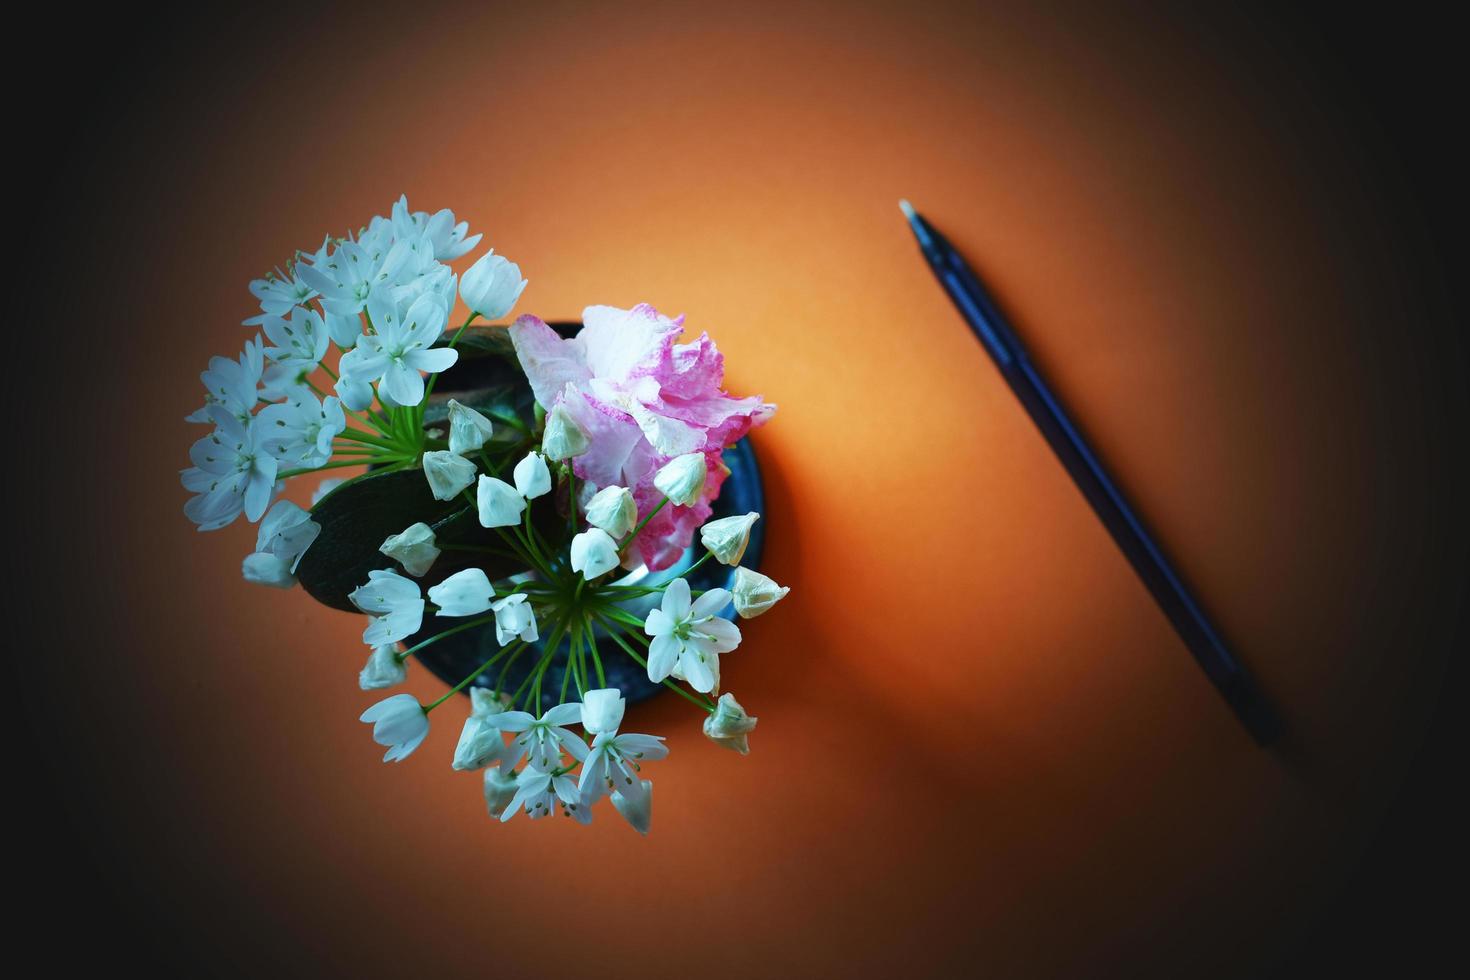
(481, 621)
(596, 658)
(470, 679)
(648, 517)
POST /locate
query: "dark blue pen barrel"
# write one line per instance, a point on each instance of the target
(1107, 501)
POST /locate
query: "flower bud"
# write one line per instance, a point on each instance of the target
(413, 548)
(383, 669)
(635, 803)
(564, 437)
(602, 710)
(447, 473)
(400, 723)
(480, 741)
(260, 568)
(466, 593)
(729, 725)
(682, 479)
(613, 510)
(727, 537)
(532, 477)
(491, 286)
(500, 504)
(468, 429)
(594, 553)
(514, 617)
(500, 789)
(755, 593)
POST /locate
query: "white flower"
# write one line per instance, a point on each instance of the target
(500, 789)
(542, 740)
(514, 617)
(593, 553)
(681, 479)
(688, 639)
(232, 472)
(729, 725)
(394, 602)
(755, 593)
(400, 723)
(480, 742)
(500, 504)
(448, 239)
(355, 391)
(537, 792)
(401, 348)
(299, 431)
(563, 437)
(614, 760)
(345, 331)
(466, 593)
(635, 803)
(727, 537)
(233, 385)
(447, 473)
(413, 548)
(532, 477)
(614, 510)
(278, 293)
(491, 286)
(468, 429)
(353, 273)
(383, 669)
(300, 342)
(284, 536)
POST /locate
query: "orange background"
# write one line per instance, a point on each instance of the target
(980, 745)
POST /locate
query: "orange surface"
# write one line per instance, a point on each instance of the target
(980, 742)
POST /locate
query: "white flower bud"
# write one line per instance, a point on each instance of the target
(563, 438)
(614, 510)
(729, 725)
(500, 789)
(447, 473)
(602, 710)
(468, 429)
(532, 477)
(514, 617)
(466, 593)
(681, 479)
(635, 803)
(261, 568)
(755, 593)
(383, 669)
(500, 504)
(594, 553)
(413, 548)
(727, 537)
(491, 286)
(480, 741)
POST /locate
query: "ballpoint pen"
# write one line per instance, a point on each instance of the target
(1169, 591)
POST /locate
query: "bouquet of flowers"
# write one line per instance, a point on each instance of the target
(544, 501)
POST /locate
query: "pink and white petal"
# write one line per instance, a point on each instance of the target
(550, 363)
(621, 344)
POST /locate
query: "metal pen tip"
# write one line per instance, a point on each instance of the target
(906, 208)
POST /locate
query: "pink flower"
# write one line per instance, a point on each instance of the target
(643, 399)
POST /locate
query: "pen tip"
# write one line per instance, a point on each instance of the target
(906, 208)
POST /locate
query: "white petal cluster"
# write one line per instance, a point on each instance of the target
(755, 593)
(564, 437)
(382, 295)
(383, 669)
(594, 553)
(448, 473)
(400, 723)
(465, 593)
(729, 725)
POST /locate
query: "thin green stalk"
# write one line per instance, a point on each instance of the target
(481, 621)
(470, 679)
(648, 517)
